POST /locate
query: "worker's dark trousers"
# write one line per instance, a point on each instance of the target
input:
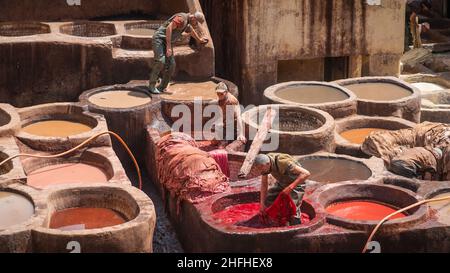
(403, 168)
(161, 62)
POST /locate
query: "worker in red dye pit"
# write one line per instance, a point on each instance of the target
(231, 113)
(163, 39)
(412, 27)
(290, 176)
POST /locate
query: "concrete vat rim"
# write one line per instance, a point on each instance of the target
(270, 93)
(144, 204)
(63, 109)
(429, 78)
(326, 119)
(374, 165)
(34, 27)
(415, 93)
(84, 98)
(233, 89)
(339, 192)
(13, 123)
(206, 214)
(37, 200)
(109, 169)
(68, 29)
(359, 121)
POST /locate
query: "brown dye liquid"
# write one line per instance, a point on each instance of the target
(14, 209)
(68, 173)
(379, 91)
(442, 208)
(141, 31)
(311, 94)
(357, 136)
(119, 99)
(332, 170)
(85, 218)
(56, 128)
(191, 90)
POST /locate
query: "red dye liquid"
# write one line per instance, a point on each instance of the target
(362, 210)
(237, 213)
(85, 218)
(243, 212)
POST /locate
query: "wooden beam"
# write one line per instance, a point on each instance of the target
(258, 141)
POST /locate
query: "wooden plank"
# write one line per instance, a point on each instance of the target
(258, 141)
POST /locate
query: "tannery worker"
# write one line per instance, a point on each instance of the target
(231, 111)
(290, 176)
(412, 27)
(417, 162)
(163, 39)
(421, 152)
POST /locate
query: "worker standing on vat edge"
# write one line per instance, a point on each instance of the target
(167, 33)
(231, 111)
(412, 27)
(290, 176)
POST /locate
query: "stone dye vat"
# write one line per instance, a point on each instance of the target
(298, 130)
(137, 35)
(66, 173)
(435, 96)
(56, 128)
(427, 83)
(92, 166)
(15, 29)
(184, 93)
(88, 29)
(14, 209)
(12, 169)
(352, 131)
(124, 220)
(119, 99)
(330, 168)
(20, 208)
(85, 218)
(224, 235)
(369, 203)
(379, 91)
(362, 210)
(385, 96)
(329, 97)
(9, 120)
(60, 126)
(127, 110)
(436, 107)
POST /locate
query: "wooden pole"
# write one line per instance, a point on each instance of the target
(258, 141)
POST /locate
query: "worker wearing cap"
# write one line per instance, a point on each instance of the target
(163, 39)
(230, 110)
(290, 176)
(412, 27)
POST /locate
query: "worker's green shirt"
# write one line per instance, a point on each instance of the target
(182, 23)
(282, 166)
